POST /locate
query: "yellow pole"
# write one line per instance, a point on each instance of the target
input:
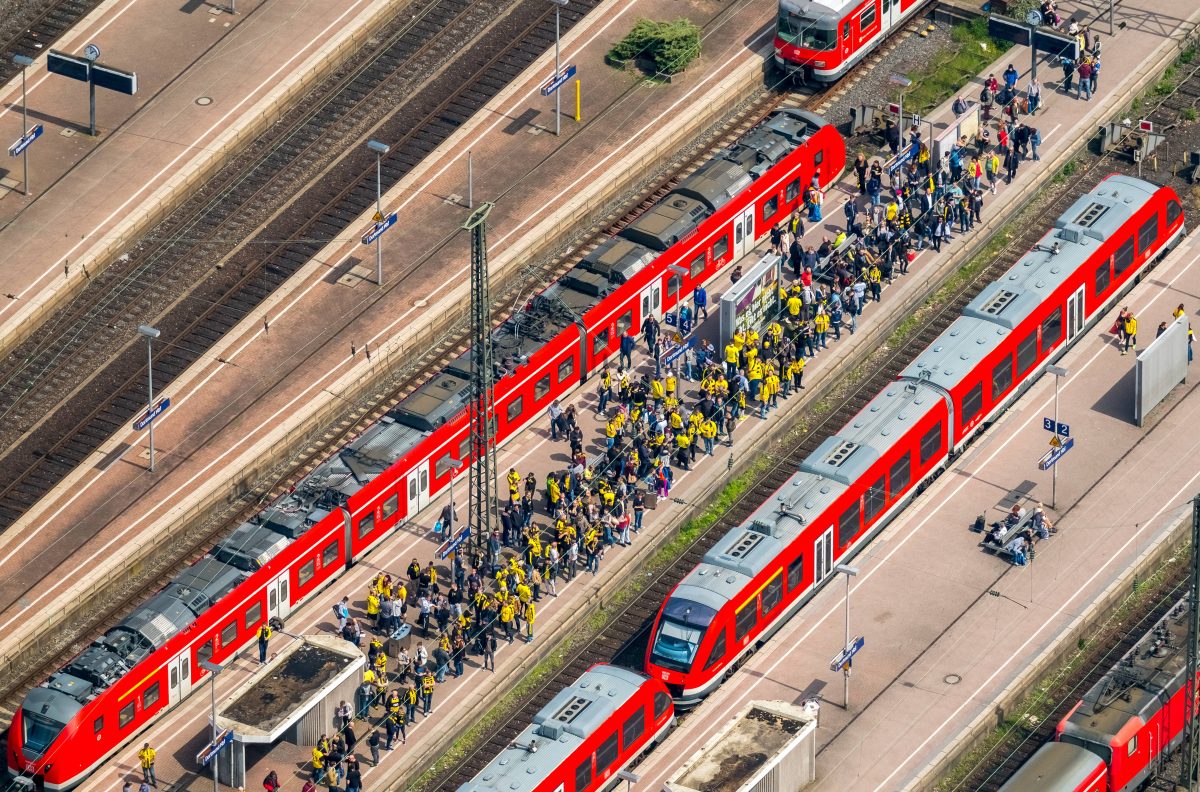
(578, 94)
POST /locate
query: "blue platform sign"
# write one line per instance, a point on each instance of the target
(150, 415)
(210, 751)
(1059, 429)
(1055, 454)
(25, 140)
(378, 229)
(846, 656)
(558, 80)
(449, 547)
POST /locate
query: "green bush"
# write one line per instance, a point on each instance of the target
(670, 45)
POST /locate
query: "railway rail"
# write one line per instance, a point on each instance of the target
(30, 28)
(87, 350)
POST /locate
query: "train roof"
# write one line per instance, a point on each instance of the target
(959, 349)
(826, 11)
(618, 259)
(718, 181)
(1055, 766)
(557, 730)
(434, 403)
(667, 222)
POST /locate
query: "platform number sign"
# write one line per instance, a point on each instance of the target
(1061, 429)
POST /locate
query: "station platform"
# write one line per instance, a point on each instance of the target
(207, 79)
(258, 383)
(938, 648)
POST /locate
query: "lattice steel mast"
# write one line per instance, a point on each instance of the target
(1191, 729)
(483, 422)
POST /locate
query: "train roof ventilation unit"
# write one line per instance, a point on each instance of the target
(1091, 214)
(840, 453)
(745, 544)
(568, 712)
(998, 302)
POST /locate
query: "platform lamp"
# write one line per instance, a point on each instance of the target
(24, 61)
(904, 82)
(558, 7)
(380, 149)
(150, 334)
(849, 572)
(214, 671)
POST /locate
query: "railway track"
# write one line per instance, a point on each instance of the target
(32, 27)
(86, 351)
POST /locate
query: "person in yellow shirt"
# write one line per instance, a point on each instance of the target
(528, 615)
(708, 433)
(1130, 333)
(821, 324)
(146, 758)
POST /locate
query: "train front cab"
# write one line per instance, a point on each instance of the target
(820, 41)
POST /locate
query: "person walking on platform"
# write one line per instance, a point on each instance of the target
(373, 743)
(264, 636)
(428, 683)
(1130, 326)
(146, 758)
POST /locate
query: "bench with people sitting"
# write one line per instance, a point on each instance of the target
(1014, 538)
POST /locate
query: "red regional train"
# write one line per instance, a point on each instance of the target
(820, 40)
(583, 736)
(764, 570)
(149, 662)
(1123, 728)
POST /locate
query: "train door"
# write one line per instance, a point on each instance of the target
(823, 557)
(278, 604)
(179, 677)
(1076, 316)
(743, 233)
(890, 9)
(418, 489)
(652, 301)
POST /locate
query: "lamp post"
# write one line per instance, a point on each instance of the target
(24, 61)
(903, 82)
(150, 333)
(380, 149)
(1059, 372)
(849, 572)
(214, 670)
(558, 6)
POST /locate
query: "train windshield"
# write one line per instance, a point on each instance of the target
(39, 732)
(679, 633)
(804, 32)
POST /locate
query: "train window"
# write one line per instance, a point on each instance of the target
(606, 754)
(770, 208)
(867, 18)
(329, 556)
(541, 388)
(1103, 277)
(744, 622)
(391, 506)
(792, 191)
(972, 403)
(583, 774)
(272, 599)
(887, 6)
(1026, 353)
(150, 697)
(184, 669)
(846, 32)
(1148, 234)
(718, 651)
(515, 408)
(673, 284)
(366, 524)
(697, 265)
(253, 615)
(1052, 329)
(600, 342)
(1131, 746)
(229, 634)
(125, 716)
(899, 476)
(1173, 212)
(98, 725)
(931, 444)
(174, 678)
(772, 594)
(1002, 377)
(624, 322)
(720, 248)
(873, 500)
(306, 572)
(566, 369)
(633, 729)
(795, 573)
(848, 525)
(464, 448)
(819, 157)
(662, 703)
(1123, 259)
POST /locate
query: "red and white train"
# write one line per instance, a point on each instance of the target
(820, 40)
(150, 661)
(1124, 727)
(764, 570)
(584, 736)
